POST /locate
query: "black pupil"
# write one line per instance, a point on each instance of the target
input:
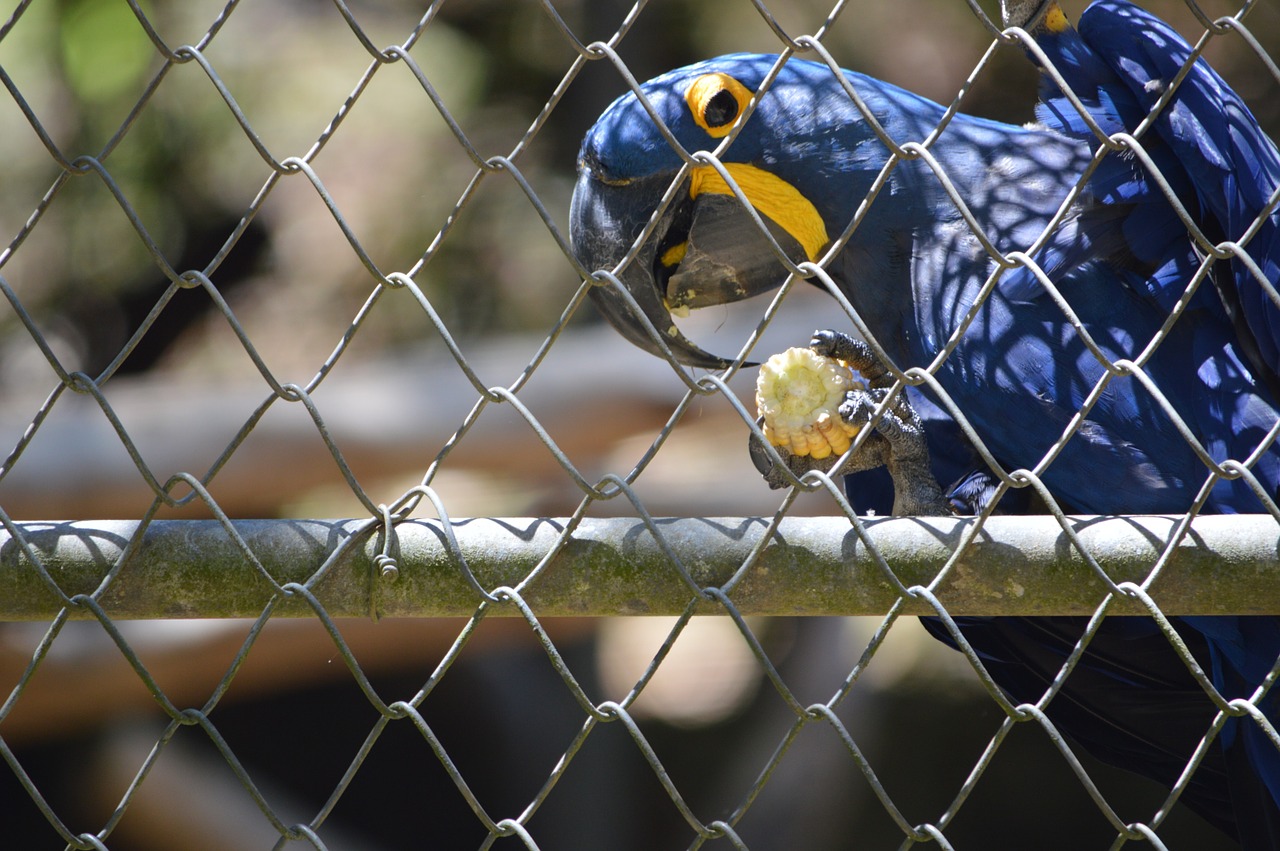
(721, 109)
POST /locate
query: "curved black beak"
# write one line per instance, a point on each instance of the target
(704, 251)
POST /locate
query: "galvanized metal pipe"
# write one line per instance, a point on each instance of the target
(812, 566)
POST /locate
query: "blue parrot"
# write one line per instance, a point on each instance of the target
(919, 277)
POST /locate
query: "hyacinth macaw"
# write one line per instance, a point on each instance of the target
(806, 159)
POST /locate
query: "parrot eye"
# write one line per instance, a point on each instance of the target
(716, 100)
(721, 109)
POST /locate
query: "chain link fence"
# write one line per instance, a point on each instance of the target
(227, 231)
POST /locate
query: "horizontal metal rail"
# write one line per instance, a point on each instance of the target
(602, 567)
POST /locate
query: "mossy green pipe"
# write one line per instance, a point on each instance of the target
(616, 566)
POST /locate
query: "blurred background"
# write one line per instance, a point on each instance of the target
(83, 724)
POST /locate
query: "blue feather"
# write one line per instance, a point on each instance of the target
(1215, 146)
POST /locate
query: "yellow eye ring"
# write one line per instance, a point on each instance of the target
(716, 100)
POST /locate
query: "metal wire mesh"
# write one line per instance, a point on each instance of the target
(288, 568)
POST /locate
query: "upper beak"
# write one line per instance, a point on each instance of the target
(703, 251)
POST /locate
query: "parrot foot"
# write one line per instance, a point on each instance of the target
(897, 444)
(854, 352)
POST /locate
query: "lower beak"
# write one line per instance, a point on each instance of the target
(704, 251)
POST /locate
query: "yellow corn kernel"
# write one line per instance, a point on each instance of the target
(798, 393)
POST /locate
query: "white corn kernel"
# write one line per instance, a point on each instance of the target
(798, 395)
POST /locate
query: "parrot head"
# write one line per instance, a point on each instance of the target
(703, 247)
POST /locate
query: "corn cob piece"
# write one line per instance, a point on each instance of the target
(798, 393)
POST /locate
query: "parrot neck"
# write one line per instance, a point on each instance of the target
(875, 275)
(894, 268)
(915, 266)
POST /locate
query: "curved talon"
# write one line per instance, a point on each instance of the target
(873, 453)
(854, 352)
(776, 475)
(859, 405)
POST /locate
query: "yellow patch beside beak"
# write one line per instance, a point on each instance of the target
(772, 197)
